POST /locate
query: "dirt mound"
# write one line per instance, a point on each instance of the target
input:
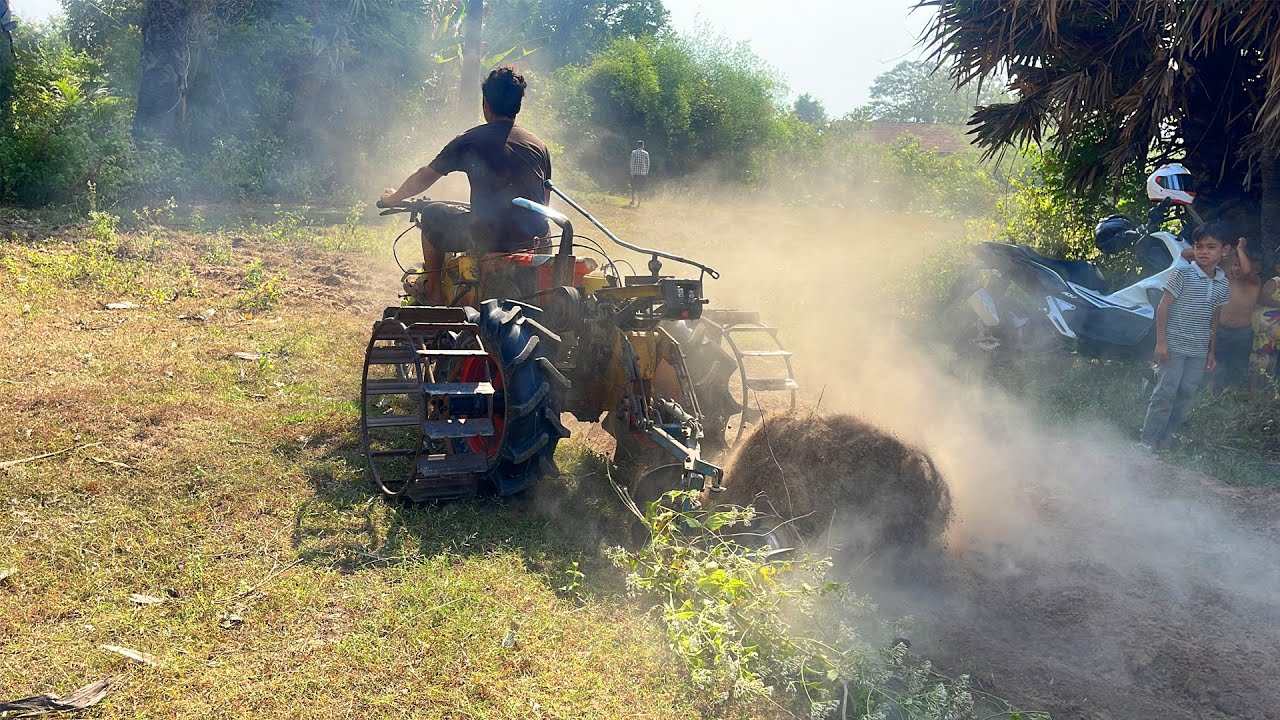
(844, 482)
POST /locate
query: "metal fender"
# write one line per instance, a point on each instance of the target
(984, 306)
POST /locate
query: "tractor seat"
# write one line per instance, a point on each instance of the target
(1081, 272)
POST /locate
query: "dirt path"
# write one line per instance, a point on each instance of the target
(1107, 621)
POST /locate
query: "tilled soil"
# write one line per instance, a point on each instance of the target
(1102, 624)
(1124, 589)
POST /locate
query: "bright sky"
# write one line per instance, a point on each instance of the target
(34, 9)
(831, 49)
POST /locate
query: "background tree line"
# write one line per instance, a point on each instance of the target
(239, 98)
(299, 99)
(321, 99)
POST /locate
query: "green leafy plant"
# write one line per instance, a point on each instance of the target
(262, 290)
(217, 251)
(197, 222)
(153, 217)
(102, 225)
(289, 227)
(750, 624)
(573, 577)
(350, 235)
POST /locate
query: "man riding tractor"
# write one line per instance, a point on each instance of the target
(502, 161)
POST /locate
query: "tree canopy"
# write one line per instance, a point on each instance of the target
(571, 31)
(291, 98)
(1113, 84)
(912, 92)
(307, 99)
(809, 109)
(694, 102)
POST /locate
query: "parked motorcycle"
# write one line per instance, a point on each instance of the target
(1026, 301)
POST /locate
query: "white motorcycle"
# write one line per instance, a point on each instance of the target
(1071, 296)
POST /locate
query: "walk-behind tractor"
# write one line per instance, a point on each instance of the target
(466, 398)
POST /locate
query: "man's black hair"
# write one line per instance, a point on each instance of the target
(504, 91)
(1215, 229)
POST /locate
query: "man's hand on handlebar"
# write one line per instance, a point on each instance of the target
(393, 202)
(388, 198)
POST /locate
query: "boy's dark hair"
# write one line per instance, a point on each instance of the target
(1215, 229)
(504, 91)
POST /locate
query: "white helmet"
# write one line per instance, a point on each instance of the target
(1171, 181)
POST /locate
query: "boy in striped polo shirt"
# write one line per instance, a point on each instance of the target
(1186, 326)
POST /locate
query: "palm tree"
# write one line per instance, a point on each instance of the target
(1117, 83)
(171, 34)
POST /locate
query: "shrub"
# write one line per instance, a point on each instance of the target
(750, 625)
(69, 129)
(698, 103)
(65, 130)
(262, 290)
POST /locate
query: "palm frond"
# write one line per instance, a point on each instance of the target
(1143, 65)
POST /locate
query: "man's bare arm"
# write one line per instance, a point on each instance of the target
(418, 182)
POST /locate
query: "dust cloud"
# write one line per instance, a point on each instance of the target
(1078, 577)
(1077, 573)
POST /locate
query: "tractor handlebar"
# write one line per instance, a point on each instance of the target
(560, 219)
(566, 227)
(555, 216)
(655, 265)
(404, 206)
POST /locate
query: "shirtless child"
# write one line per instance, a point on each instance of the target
(1235, 326)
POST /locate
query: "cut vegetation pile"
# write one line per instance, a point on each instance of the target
(842, 481)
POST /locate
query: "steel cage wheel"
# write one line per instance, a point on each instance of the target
(385, 441)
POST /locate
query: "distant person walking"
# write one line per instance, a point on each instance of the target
(639, 172)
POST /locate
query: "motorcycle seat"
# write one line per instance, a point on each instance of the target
(1081, 272)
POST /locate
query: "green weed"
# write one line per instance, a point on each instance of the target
(748, 624)
(197, 222)
(153, 217)
(572, 586)
(350, 234)
(262, 290)
(218, 251)
(102, 226)
(290, 227)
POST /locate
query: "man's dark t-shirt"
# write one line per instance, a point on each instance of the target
(503, 161)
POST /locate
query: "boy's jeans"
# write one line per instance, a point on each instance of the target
(1176, 383)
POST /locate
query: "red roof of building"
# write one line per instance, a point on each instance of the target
(943, 138)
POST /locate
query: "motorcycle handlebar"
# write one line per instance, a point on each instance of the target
(1156, 215)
